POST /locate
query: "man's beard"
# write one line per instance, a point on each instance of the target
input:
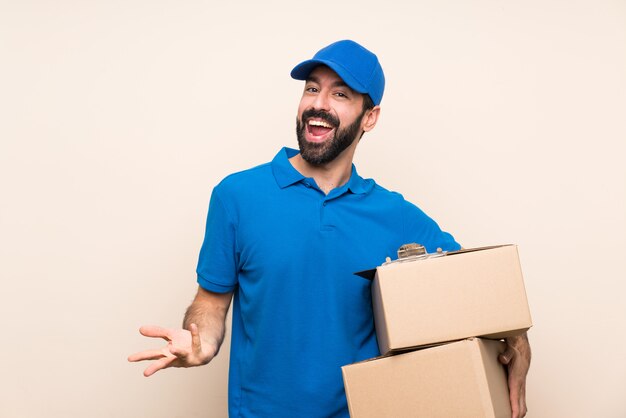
(325, 152)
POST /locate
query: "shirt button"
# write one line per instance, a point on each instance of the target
(307, 185)
(324, 204)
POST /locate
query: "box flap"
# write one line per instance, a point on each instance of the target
(495, 391)
(367, 274)
(371, 273)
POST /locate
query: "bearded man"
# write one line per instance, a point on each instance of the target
(283, 241)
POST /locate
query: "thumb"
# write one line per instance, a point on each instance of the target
(507, 356)
(196, 345)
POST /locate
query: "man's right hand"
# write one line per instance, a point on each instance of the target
(184, 348)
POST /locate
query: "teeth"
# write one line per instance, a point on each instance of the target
(320, 123)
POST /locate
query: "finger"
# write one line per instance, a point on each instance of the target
(178, 352)
(523, 409)
(515, 397)
(158, 365)
(155, 331)
(146, 355)
(514, 405)
(520, 411)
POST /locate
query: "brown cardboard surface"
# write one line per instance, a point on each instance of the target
(460, 379)
(465, 294)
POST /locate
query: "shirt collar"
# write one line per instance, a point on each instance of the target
(286, 175)
(357, 184)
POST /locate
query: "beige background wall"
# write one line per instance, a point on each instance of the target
(504, 120)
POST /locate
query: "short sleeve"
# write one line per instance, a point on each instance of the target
(217, 263)
(421, 229)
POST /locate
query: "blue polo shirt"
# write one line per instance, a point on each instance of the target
(289, 252)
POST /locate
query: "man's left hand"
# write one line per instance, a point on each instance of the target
(517, 359)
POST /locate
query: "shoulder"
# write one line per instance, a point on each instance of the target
(420, 227)
(245, 179)
(383, 194)
(394, 201)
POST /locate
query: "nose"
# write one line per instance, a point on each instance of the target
(321, 102)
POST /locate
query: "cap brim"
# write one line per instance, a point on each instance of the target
(302, 71)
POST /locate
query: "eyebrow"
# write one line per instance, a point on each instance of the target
(338, 83)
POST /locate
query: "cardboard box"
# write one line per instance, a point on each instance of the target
(459, 379)
(469, 293)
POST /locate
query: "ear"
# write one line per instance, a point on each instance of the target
(370, 119)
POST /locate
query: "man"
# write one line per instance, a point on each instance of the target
(284, 240)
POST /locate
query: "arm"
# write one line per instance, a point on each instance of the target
(199, 340)
(517, 358)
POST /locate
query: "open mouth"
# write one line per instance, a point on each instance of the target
(318, 130)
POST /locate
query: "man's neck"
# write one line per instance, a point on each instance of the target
(328, 176)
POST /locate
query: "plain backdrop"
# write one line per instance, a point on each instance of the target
(503, 120)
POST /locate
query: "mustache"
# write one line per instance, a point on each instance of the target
(325, 116)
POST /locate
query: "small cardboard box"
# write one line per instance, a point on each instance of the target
(469, 293)
(459, 379)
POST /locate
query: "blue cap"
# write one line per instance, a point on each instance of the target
(357, 67)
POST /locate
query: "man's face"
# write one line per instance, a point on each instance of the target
(330, 117)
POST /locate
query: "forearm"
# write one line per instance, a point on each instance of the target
(208, 311)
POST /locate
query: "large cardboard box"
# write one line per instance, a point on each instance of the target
(468, 293)
(459, 379)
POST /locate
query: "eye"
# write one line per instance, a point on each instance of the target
(311, 89)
